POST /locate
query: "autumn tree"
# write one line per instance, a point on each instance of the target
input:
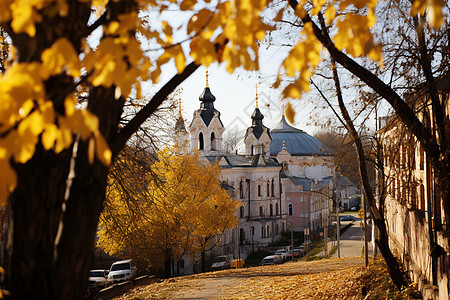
(163, 211)
(55, 152)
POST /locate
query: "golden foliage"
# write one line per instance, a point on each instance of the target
(175, 205)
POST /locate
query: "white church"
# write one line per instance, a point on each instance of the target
(280, 180)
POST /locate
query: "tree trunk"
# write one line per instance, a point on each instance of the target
(377, 215)
(392, 264)
(167, 264)
(59, 269)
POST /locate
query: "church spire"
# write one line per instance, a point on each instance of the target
(256, 96)
(207, 97)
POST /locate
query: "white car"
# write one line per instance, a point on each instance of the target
(271, 260)
(281, 252)
(97, 278)
(122, 271)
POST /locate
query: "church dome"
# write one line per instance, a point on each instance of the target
(297, 142)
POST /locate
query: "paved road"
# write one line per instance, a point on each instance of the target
(352, 242)
(325, 279)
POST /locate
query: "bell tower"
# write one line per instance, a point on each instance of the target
(206, 127)
(257, 137)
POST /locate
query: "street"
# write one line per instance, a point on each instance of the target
(352, 242)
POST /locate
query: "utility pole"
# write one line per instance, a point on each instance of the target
(292, 242)
(338, 229)
(366, 238)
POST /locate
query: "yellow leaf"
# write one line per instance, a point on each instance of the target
(49, 136)
(187, 4)
(330, 14)
(91, 150)
(24, 17)
(61, 54)
(69, 105)
(290, 113)
(103, 152)
(180, 60)
(34, 123)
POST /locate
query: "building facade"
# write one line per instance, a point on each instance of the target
(417, 228)
(275, 177)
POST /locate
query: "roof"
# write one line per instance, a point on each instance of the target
(297, 142)
(303, 181)
(244, 161)
(207, 109)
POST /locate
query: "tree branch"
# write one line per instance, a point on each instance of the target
(124, 134)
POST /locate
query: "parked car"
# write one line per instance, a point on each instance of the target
(221, 262)
(97, 278)
(237, 263)
(271, 260)
(122, 271)
(282, 253)
(297, 252)
(348, 218)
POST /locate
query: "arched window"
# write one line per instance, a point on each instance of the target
(241, 212)
(268, 230)
(273, 188)
(276, 209)
(268, 189)
(213, 141)
(271, 210)
(261, 211)
(262, 232)
(241, 189)
(201, 143)
(291, 209)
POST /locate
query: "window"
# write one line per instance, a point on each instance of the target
(259, 190)
(253, 149)
(276, 209)
(241, 212)
(261, 211)
(213, 141)
(268, 189)
(273, 188)
(201, 144)
(302, 215)
(241, 189)
(422, 197)
(290, 207)
(268, 231)
(422, 158)
(281, 188)
(262, 232)
(271, 210)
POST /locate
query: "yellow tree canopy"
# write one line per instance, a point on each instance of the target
(171, 208)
